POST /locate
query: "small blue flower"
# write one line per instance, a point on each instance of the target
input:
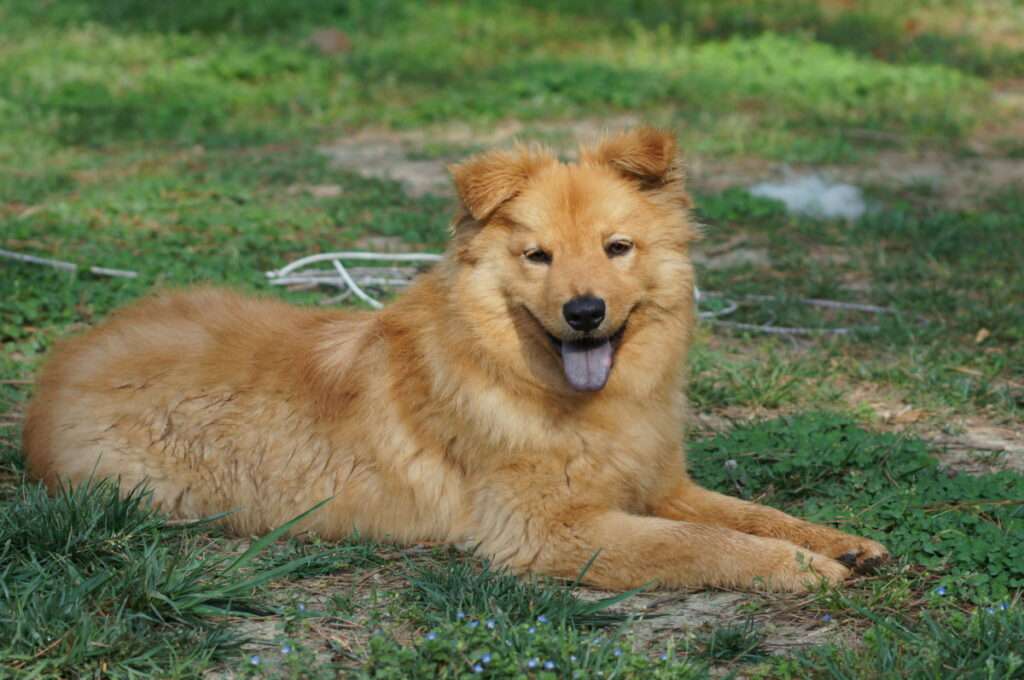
(477, 668)
(490, 624)
(460, 615)
(549, 665)
(486, 658)
(254, 659)
(431, 635)
(542, 619)
(827, 618)
(617, 652)
(531, 630)
(940, 591)
(990, 610)
(302, 607)
(572, 657)
(286, 649)
(1003, 606)
(473, 624)
(532, 663)
(664, 657)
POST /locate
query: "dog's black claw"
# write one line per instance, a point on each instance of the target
(848, 559)
(870, 565)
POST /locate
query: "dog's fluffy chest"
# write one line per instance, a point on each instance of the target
(627, 457)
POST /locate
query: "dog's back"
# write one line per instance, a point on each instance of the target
(148, 395)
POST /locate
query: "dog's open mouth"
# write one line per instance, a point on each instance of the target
(588, 362)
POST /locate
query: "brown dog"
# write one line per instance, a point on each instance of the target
(525, 397)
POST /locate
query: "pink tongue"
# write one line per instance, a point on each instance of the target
(587, 365)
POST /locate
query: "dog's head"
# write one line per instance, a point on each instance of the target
(582, 269)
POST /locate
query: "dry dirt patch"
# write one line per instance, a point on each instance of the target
(974, 445)
(982, 447)
(397, 156)
(787, 621)
(953, 180)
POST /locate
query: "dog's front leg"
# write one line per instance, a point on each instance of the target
(633, 550)
(692, 503)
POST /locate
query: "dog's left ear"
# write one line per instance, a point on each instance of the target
(486, 182)
(647, 157)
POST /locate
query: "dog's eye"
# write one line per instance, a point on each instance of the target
(537, 256)
(620, 247)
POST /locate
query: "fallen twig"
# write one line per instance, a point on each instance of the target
(956, 442)
(956, 505)
(772, 329)
(67, 266)
(791, 330)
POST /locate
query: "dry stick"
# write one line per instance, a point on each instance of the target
(67, 266)
(802, 330)
(791, 330)
(831, 304)
(698, 295)
(955, 505)
(967, 444)
(45, 650)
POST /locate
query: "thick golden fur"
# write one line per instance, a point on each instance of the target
(446, 416)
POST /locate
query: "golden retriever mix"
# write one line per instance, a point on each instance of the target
(524, 398)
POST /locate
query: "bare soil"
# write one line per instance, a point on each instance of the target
(952, 179)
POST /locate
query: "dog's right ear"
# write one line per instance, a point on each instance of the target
(649, 159)
(486, 182)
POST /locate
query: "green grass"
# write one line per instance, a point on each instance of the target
(982, 645)
(965, 531)
(222, 216)
(769, 382)
(876, 29)
(948, 273)
(452, 590)
(742, 643)
(178, 140)
(70, 561)
(540, 650)
(884, 486)
(100, 583)
(143, 76)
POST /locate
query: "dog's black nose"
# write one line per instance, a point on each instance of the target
(584, 313)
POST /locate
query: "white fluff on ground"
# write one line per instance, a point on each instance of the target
(814, 196)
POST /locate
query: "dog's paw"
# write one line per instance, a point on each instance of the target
(805, 571)
(860, 554)
(833, 572)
